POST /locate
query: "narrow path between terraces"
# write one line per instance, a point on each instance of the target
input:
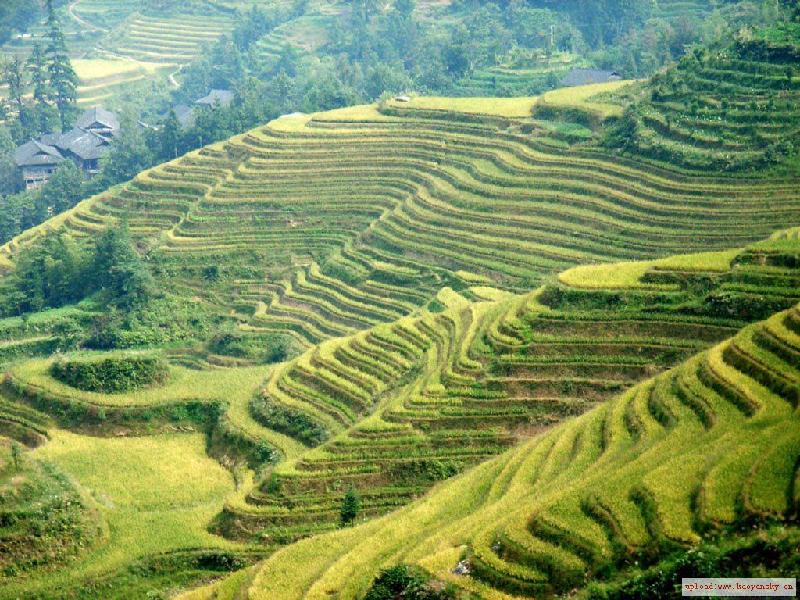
(81, 21)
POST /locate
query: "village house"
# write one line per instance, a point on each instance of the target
(222, 98)
(100, 121)
(85, 145)
(185, 115)
(37, 162)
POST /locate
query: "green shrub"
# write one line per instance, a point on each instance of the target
(290, 421)
(264, 349)
(113, 374)
(435, 306)
(68, 334)
(403, 582)
(425, 469)
(351, 505)
(211, 273)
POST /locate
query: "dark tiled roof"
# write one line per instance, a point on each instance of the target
(80, 141)
(588, 76)
(86, 144)
(36, 154)
(224, 97)
(50, 139)
(65, 140)
(98, 118)
(185, 115)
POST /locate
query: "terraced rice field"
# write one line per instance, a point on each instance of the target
(92, 29)
(405, 404)
(759, 90)
(409, 403)
(38, 501)
(360, 216)
(606, 488)
(102, 15)
(35, 335)
(101, 79)
(444, 268)
(306, 33)
(395, 408)
(310, 31)
(582, 102)
(153, 498)
(168, 40)
(78, 39)
(519, 80)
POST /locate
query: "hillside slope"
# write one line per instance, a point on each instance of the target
(452, 278)
(491, 373)
(692, 454)
(726, 108)
(322, 226)
(395, 409)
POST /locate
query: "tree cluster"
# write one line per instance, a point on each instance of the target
(58, 271)
(113, 374)
(18, 15)
(47, 75)
(27, 209)
(642, 50)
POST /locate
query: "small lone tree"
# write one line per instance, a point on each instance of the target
(211, 273)
(351, 504)
(118, 269)
(16, 454)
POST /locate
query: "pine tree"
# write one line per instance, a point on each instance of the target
(13, 72)
(37, 66)
(45, 116)
(351, 504)
(63, 81)
(9, 176)
(169, 137)
(16, 454)
(14, 78)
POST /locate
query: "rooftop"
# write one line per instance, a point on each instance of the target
(98, 118)
(223, 97)
(185, 115)
(37, 154)
(86, 145)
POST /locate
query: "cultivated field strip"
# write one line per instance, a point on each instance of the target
(610, 517)
(607, 488)
(169, 39)
(760, 89)
(524, 79)
(373, 240)
(393, 409)
(343, 212)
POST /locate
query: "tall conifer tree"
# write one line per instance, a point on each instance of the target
(62, 78)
